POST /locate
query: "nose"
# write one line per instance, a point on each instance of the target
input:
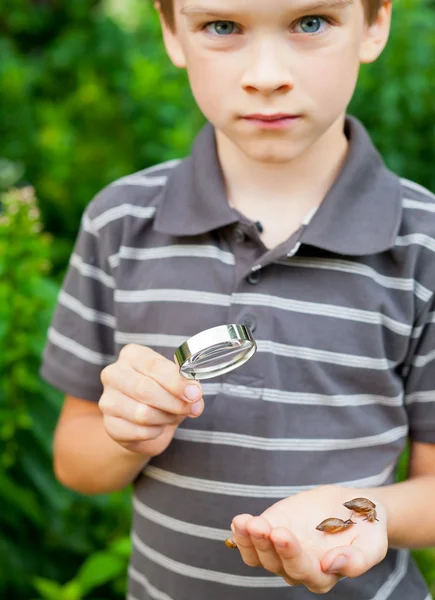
(268, 71)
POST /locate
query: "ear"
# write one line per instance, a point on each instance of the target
(171, 40)
(376, 34)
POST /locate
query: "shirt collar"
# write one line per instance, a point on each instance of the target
(360, 214)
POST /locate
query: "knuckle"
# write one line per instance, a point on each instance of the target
(143, 414)
(105, 375)
(252, 561)
(143, 388)
(154, 363)
(129, 352)
(322, 589)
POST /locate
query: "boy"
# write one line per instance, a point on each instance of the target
(284, 218)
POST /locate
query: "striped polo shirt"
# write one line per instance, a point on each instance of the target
(344, 320)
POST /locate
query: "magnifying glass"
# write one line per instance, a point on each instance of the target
(215, 351)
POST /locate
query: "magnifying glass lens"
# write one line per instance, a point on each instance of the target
(215, 351)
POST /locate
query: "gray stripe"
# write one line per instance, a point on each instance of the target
(300, 398)
(184, 250)
(344, 266)
(90, 271)
(252, 491)
(286, 444)
(415, 204)
(151, 590)
(412, 185)
(150, 339)
(395, 578)
(205, 574)
(73, 347)
(209, 533)
(89, 314)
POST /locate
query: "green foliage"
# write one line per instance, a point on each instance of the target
(47, 531)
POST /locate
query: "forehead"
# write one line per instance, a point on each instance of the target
(195, 7)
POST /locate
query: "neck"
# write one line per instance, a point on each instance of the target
(297, 186)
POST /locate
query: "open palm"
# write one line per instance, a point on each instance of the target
(284, 539)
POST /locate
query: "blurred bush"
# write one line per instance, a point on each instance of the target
(88, 96)
(46, 530)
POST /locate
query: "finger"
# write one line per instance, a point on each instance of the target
(259, 529)
(117, 404)
(124, 431)
(166, 373)
(353, 560)
(298, 565)
(244, 542)
(142, 388)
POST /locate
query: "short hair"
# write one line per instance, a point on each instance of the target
(372, 8)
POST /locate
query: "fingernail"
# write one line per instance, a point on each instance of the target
(338, 564)
(196, 409)
(192, 393)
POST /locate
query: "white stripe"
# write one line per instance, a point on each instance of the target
(168, 164)
(184, 250)
(85, 312)
(344, 266)
(303, 353)
(416, 238)
(299, 352)
(252, 491)
(208, 533)
(172, 296)
(150, 339)
(289, 444)
(424, 359)
(420, 397)
(87, 226)
(395, 577)
(141, 181)
(77, 349)
(90, 271)
(145, 582)
(411, 185)
(415, 204)
(299, 398)
(205, 574)
(328, 310)
(124, 210)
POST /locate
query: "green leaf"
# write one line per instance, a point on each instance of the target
(99, 569)
(49, 590)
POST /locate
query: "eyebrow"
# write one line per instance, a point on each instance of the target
(194, 10)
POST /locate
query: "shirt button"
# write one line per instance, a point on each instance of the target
(239, 235)
(254, 277)
(250, 322)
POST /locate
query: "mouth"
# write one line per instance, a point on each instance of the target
(270, 118)
(272, 121)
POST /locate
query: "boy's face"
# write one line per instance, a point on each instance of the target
(274, 76)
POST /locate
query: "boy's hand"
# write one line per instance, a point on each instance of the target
(145, 399)
(284, 539)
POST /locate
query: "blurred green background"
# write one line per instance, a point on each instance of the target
(87, 96)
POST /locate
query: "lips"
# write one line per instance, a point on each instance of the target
(270, 118)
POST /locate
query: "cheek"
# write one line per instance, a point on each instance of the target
(211, 80)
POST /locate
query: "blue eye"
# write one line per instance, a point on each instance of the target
(311, 24)
(222, 27)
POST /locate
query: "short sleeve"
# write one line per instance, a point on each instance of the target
(420, 378)
(80, 339)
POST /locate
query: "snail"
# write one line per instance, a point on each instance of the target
(230, 543)
(334, 525)
(363, 506)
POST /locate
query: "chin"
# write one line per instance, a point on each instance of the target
(272, 153)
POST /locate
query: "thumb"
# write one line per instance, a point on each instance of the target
(348, 561)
